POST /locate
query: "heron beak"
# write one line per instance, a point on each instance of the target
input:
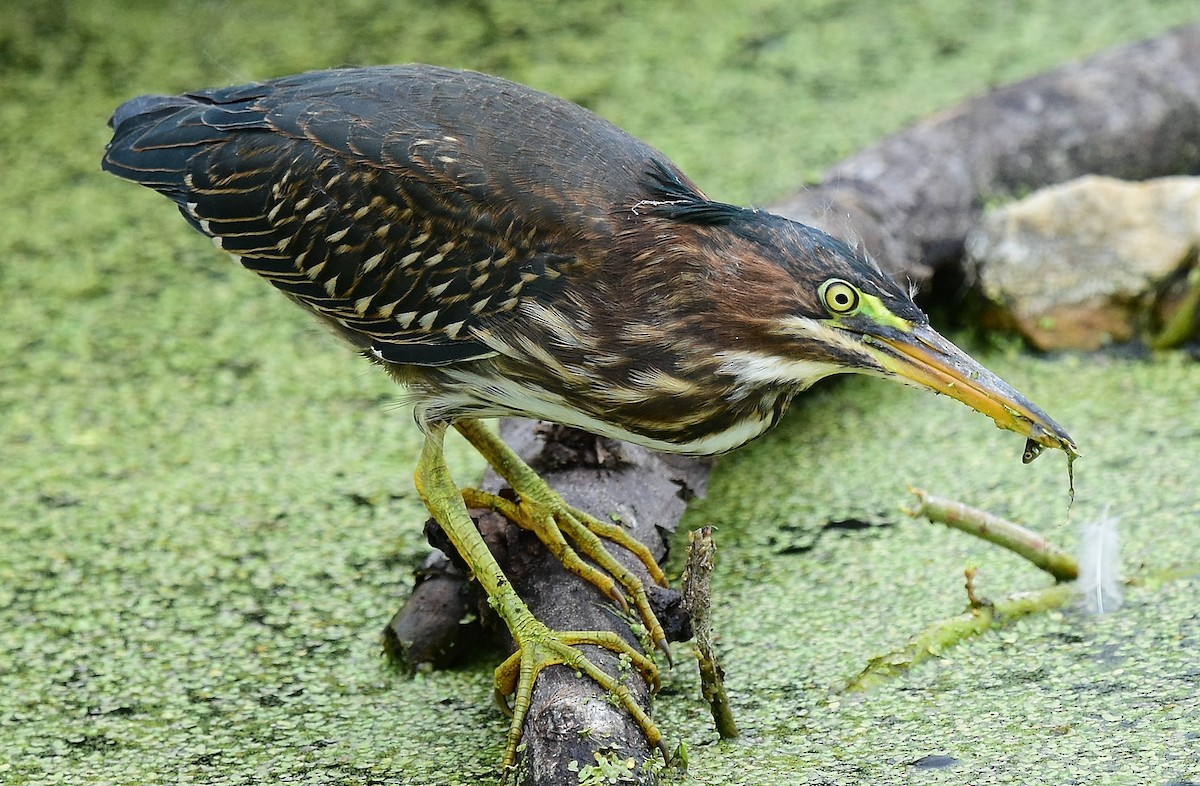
(921, 357)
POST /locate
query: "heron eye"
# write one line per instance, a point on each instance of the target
(839, 296)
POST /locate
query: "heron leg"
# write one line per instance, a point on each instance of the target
(537, 645)
(543, 511)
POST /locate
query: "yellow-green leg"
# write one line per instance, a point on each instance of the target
(543, 511)
(537, 645)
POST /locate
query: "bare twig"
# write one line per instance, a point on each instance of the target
(945, 634)
(973, 600)
(1006, 534)
(697, 601)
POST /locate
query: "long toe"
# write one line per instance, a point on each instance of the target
(540, 647)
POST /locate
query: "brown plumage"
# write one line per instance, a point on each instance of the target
(500, 250)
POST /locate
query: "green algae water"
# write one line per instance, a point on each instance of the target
(206, 510)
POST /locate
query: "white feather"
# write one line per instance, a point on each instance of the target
(1099, 565)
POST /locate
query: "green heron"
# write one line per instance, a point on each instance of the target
(500, 251)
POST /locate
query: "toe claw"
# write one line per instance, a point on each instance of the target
(618, 597)
(661, 644)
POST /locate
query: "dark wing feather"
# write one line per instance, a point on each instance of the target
(405, 205)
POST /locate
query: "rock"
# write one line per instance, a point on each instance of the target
(1093, 261)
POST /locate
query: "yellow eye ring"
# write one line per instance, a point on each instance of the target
(840, 297)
